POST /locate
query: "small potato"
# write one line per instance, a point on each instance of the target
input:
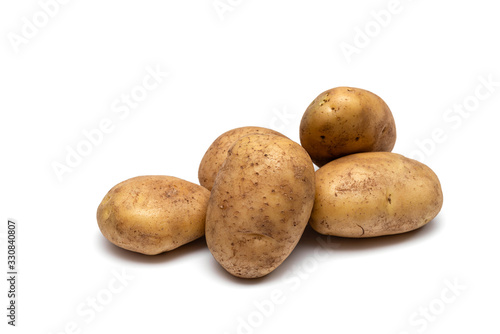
(153, 214)
(344, 121)
(259, 205)
(373, 194)
(217, 152)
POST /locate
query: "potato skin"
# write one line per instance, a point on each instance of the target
(153, 214)
(260, 204)
(374, 194)
(217, 152)
(346, 120)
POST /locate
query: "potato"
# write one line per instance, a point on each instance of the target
(260, 204)
(344, 121)
(373, 194)
(217, 152)
(153, 214)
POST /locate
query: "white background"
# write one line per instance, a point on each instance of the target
(258, 63)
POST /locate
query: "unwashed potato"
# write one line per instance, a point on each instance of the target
(373, 194)
(346, 120)
(153, 214)
(217, 152)
(260, 204)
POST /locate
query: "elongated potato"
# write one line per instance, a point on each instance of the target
(217, 152)
(259, 205)
(153, 214)
(346, 120)
(373, 194)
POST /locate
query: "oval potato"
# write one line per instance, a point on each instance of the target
(373, 194)
(346, 120)
(153, 214)
(260, 204)
(217, 152)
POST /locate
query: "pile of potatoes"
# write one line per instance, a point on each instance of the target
(259, 189)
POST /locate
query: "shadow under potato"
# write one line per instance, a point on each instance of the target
(196, 246)
(360, 244)
(310, 242)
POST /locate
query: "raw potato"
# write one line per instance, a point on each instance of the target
(217, 152)
(260, 204)
(344, 121)
(153, 214)
(373, 194)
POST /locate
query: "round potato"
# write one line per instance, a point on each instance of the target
(217, 152)
(373, 194)
(153, 214)
(344, 121)
(260, 204)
